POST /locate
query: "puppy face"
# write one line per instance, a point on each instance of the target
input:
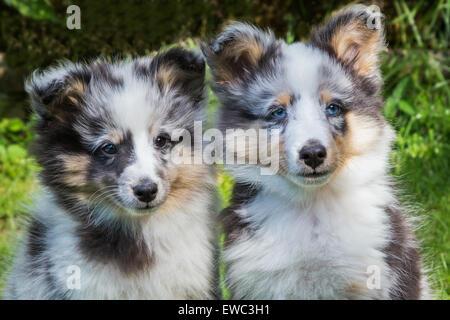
(105, 128)
(322, 95)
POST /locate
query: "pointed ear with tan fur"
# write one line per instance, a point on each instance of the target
(238, 52)
(355, 36)
(56, 93)
(180, 69)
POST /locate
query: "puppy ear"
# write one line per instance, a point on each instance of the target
(238, 51)
(355, 36)
(180, 69)
(56, 93)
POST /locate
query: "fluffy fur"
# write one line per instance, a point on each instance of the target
(305, 232)
(89, 217)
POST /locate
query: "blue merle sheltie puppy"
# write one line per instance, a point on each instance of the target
(327, 224)
(118, 212)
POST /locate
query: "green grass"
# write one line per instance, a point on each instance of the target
(17, 182)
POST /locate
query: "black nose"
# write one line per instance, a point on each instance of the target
(146, 192)
(313, 154)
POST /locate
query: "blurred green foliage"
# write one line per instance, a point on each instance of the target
(36, 9)
(416, 72)
(17, 182)
(33, 36)
(17, 167)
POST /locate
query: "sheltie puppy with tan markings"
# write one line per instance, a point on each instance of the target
(119, 219)
(326, 224)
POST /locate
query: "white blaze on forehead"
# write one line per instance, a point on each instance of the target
(307, 120)
(307, 123)
(145, 161)
(136, 110)
(308, 69)
(303, 64)
(132, 107)
(145, 157)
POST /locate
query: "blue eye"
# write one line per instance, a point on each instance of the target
(109, 148)
(280, 113)
(333, 109)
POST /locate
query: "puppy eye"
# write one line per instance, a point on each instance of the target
(109, 148)
(161, 141)
(279, 113)
(333, 109)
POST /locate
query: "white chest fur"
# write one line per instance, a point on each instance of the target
(328, 248)
(181, 242)
(182, 266)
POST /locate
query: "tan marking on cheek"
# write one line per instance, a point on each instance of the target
(333, 156)
(75, 179)
(75, 169)
(344, 146)
(361, 137)
(363, 133)
(185, 181)
(74, 162)
(82, 198)
(340, 156)
(284, 99)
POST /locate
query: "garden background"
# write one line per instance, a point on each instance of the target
(33, 34)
